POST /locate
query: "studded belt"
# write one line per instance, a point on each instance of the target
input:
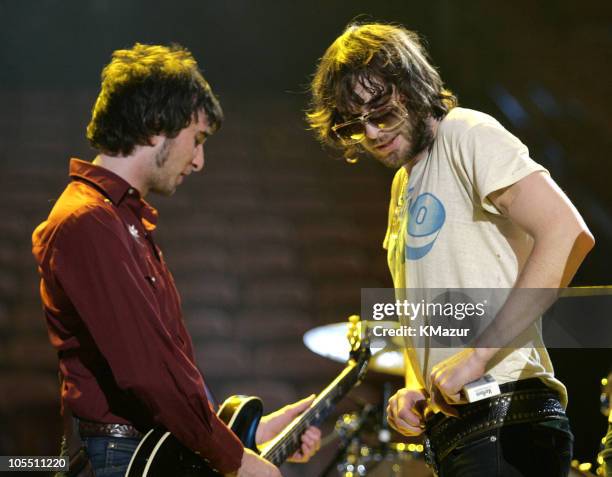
(100, 429)
(520, 402)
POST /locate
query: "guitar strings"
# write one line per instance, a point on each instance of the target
(279, 450)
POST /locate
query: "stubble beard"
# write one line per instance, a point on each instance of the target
(418, 133)
(422, 136)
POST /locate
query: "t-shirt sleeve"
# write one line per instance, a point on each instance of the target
(493, 158)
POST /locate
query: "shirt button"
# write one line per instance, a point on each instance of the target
(153, 279)
(131, 191)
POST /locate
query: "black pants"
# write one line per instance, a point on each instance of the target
(537, 449)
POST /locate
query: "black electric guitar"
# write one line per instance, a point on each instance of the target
(160, 454)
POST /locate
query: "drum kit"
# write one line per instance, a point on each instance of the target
(365, 448)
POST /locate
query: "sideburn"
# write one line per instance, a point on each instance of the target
(162, 155)
(421, 134)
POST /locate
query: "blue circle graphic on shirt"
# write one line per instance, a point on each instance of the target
(427, 216)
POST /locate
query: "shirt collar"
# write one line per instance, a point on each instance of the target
(114, 187)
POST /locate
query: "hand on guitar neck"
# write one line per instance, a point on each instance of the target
(269, 427)
(272, 424)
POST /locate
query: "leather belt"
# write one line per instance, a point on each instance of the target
(520, 402)
(100, 429)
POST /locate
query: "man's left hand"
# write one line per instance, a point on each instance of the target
(274, 423)
(449, 376)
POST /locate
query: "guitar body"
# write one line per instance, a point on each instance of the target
(160, 454)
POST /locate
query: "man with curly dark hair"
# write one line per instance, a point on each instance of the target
(112, 310)
(469, 210)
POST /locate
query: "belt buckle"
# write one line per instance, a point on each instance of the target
(430, 456)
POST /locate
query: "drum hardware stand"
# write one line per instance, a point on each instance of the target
(348, 428)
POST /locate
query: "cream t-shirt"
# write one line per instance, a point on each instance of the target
(444, 233)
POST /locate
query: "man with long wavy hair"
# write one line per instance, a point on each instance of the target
(469, 209)
(112, 310)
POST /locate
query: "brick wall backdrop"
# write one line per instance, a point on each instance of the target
(275, 237)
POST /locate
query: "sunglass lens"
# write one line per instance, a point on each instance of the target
(386, 120)
(351, 133)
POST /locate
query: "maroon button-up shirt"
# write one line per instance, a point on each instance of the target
(114, 315)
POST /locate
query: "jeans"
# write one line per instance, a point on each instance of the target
(109, 456)
(537, 449)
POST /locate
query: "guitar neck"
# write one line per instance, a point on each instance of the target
(288, 441)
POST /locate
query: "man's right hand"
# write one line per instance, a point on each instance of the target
(405, 411)
(255, 466)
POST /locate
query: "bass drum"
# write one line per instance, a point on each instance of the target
(397, 460)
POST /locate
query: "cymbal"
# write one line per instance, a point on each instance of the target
(330, 342)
